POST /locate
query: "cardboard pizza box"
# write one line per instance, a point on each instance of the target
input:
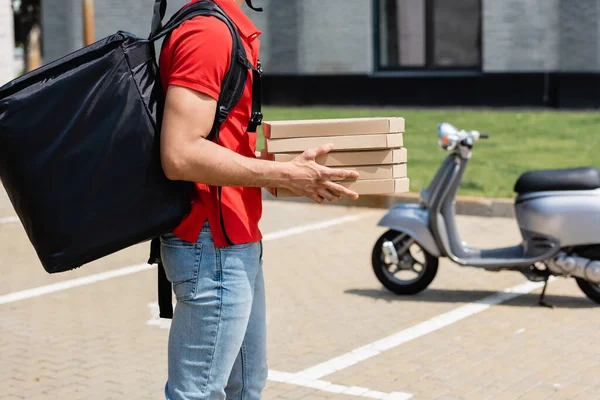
(348, 158)
(332, 127)
(371, 172)
(340, 143)
(362, 187)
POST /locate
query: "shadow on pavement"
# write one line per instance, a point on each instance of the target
(469, 296)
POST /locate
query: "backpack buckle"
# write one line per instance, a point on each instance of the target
(255, 121)
(257, 118)
(223, 114)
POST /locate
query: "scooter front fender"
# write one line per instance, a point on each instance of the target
(413, 220)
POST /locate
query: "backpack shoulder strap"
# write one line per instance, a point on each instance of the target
(160, 9)
(234, 81)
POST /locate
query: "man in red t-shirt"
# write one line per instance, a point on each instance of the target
(217, 342)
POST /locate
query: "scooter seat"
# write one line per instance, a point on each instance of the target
(558, 179)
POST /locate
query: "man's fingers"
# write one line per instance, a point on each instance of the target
(341, 174)
(340, 190)
(322, 150)
(327, 195)
(310, 154)
(316, 198)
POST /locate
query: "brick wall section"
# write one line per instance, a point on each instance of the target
(62, 21)
(337, 37)
(136, 17)
(261, 20)
(541, 35)
(61, 28)
(315, 37)
(598, 37)
(7, 43)
(579, 35)
(281, 32)
(520, 35)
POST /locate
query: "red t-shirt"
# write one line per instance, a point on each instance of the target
(197, 56)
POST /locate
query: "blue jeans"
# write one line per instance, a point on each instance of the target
(217, 341)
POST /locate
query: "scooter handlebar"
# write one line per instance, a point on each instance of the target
(449, 136)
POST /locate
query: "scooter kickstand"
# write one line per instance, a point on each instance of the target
(541, 301)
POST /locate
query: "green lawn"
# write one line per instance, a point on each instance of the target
(520, 140)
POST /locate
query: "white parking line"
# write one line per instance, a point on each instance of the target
(295, 379)
(155, 319)
(313, 227)
(9, 220)
(72, 283)
(87, 280)
(431, 325)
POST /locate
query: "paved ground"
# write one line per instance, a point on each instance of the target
(98, 339)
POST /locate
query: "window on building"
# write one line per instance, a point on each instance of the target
(429, 34)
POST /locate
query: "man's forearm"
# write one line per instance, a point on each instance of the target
(209, 163)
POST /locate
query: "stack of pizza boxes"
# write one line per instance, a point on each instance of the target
(372, 146)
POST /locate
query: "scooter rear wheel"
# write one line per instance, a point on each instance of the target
(412, 258)
(591, 290)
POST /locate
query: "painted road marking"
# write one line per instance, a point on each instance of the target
(313, 227)
(295, 379)
(436, 323)
(9, 220)
(311, 376)
(90, 279)
(72, 283)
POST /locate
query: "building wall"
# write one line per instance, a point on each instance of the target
(305, 37)
(111, 16)
(313, 37)
(336, 37)
(280, 29)
(520, 35)
(7, 43)
(541, 35)
(578, 36)
(61, 28)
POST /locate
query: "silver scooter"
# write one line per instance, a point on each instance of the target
(557, 211)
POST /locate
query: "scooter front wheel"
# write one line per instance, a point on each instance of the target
(401, 264)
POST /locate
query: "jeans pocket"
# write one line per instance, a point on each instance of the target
(182, 263)
(239, 247)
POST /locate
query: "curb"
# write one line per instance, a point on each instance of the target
(464, 205)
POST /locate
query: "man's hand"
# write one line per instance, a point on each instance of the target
(309, 179)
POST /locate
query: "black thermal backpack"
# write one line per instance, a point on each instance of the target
(80, 146)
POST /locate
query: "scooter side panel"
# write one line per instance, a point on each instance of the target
(413, 220)
(572, 217)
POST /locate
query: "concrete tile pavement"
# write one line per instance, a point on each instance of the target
(94, 342)
(515, 347)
